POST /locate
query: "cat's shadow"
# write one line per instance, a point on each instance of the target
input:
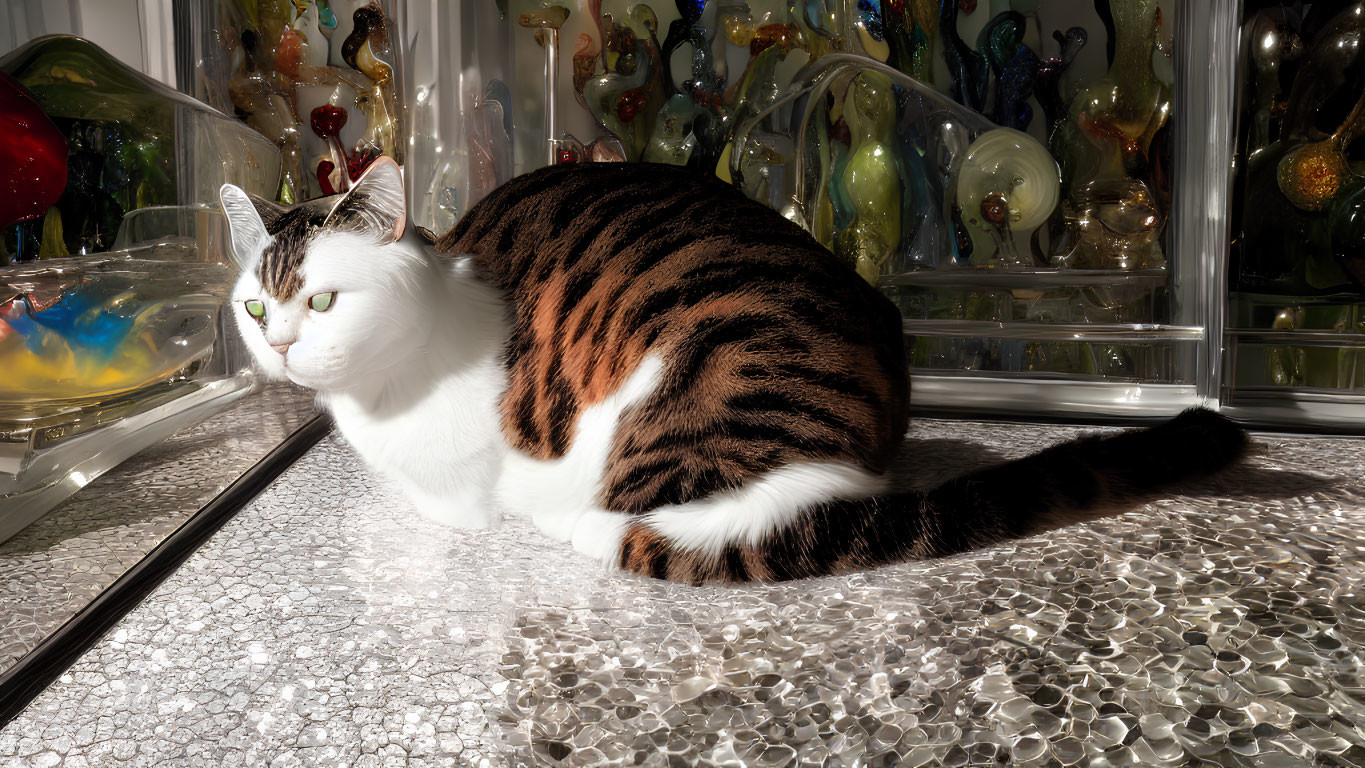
(924, 463)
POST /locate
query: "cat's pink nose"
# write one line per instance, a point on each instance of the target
(282, 348)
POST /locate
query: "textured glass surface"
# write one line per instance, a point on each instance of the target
(55, 567)
(327, 624)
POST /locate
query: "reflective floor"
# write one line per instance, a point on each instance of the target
(56, 566)
(328, 625)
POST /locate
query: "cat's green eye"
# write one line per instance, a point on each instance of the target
(322, 302)
(256, 309)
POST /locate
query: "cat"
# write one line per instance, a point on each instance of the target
(669, 376)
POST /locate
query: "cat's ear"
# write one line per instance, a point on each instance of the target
(376, 201)
(247, 216)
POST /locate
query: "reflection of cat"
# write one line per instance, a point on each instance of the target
(667, 374)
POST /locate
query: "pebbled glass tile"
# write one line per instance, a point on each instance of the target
(329, 625)
(59, 564)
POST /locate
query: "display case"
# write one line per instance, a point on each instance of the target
(110, 329)
(1094, 296)
(1068, 200)
(1295, 329)
(1109, 140)
(319, 80)
(130, 420)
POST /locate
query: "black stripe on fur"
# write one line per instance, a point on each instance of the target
(1073, 481)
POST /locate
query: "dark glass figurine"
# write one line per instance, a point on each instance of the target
(968, 68)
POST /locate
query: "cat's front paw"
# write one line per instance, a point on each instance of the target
(456, 510)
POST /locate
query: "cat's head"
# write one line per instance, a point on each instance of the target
(328, 292)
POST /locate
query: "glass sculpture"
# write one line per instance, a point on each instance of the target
(131, 142)
(109, 310)
(318, 79)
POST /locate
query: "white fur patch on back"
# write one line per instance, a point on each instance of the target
(760, 508)
(556, 493)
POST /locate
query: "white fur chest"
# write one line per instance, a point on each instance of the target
(440, 440)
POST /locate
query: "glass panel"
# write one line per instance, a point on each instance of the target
(1296, 313)
(457, 69)
(107, 140)
(991, 162)
(106, 352)
(125, 402)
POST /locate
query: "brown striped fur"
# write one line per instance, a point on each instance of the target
(748, 302)
(776, 354)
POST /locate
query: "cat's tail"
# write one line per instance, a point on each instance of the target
(1066, 483)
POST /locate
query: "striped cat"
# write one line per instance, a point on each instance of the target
(671, 377)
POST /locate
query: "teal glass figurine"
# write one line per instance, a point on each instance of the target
(968, 68)
(1000, 38)
(1015, 67)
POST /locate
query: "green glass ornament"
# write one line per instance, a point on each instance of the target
(871, 176)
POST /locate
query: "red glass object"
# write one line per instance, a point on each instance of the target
(327, 121)
(32, 155)
(629, 104)
(358, 163)
(325, 169)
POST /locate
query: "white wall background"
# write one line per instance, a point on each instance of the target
(136, 32)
